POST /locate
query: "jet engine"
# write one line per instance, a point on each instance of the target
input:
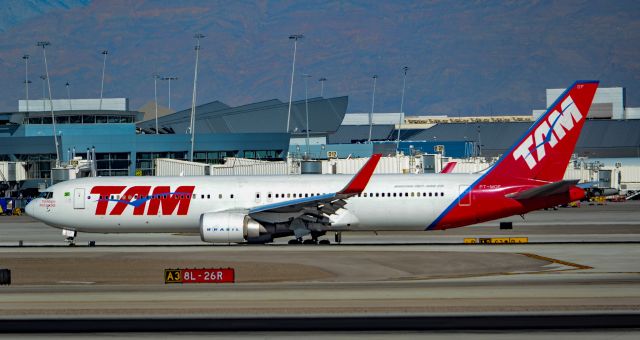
(225, 227)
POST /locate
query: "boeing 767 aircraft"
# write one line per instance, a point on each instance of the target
(235, 209)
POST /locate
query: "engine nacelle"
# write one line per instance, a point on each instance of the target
(226, 227)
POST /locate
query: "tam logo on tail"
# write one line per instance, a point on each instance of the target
(543, 152)
(549, 132)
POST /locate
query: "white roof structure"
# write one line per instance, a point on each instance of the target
(108, 104)
(378, 118)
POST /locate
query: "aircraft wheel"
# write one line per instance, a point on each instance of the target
(294, 241)
(324, 242)
(309, 242)
(5, 277)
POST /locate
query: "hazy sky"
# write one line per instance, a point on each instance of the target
(465, 57)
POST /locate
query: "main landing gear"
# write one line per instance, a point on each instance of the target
(309, 241)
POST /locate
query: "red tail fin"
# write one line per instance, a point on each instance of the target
(448, 168)
(544, 151)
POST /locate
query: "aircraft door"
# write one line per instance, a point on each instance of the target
(78, 198)
(465, 200)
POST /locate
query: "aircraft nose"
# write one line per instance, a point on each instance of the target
(30, 209)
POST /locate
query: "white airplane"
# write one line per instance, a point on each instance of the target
(238, 209)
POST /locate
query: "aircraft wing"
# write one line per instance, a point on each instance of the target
(315, 208)
(544, 190)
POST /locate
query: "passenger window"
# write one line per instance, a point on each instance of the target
(231, 196)
(442, 194)
(412, 194)
(306, 195)
(394, 194)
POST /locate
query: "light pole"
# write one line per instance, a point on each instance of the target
(404, 83)
(68, 95)
(27, 82)
(198, 36)
(104, 65)
(169, 79)
(306, 105)
(373, 100)
(322, 80)
(155, 96)
(26, 78)
(479, 142)
(44, 92)
(44, 44)
(295, 38)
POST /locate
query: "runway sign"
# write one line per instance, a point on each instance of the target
(214, 275)
(496, 240)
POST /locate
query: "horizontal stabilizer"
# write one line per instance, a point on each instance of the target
(544, 190)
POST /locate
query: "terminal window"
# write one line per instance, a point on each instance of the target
(113, 164)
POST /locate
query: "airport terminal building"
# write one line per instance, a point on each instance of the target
(126, 144)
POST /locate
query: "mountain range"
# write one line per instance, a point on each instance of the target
(464, 57)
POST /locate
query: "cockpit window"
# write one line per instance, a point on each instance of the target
(46, 195)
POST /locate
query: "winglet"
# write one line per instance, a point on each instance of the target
(360, 180)
(448, 168)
